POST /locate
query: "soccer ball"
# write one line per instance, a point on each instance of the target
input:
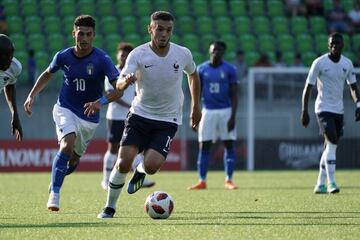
(159, 205)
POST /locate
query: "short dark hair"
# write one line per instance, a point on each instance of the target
(85, 21)
(219, 43)
(162, 15)
(124, 46)
(336, 35)
(6, 45)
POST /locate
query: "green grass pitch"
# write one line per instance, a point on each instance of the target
(267, 205)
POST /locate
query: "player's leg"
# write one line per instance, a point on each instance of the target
(73, 163)
(320, 186)
(229, 164)
(138, 160)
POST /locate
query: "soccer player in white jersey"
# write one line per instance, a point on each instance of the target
(10, 69)
(329, 72)
(115, 116)
(157, 69)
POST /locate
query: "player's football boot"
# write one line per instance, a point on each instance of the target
(53, 203)
(148, 183)
(320, 189)
(198, 186)
(230, 185)
(136, 182)
(332, 188)
(107, 212)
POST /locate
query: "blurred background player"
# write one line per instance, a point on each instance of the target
(10, 69)
(116, 115)
(85, 68)
(156, 110)
(219, 98)
(329, 72)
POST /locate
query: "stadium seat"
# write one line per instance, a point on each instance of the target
(261, 25)
(251, 57)
(47, 8)
(308, 58)
(174, 38)
(275, 8)
(199, 8)
(123, 8)
(42, 60)
(186, 25)
(143, 24)
(350, 55)
(191, 41)
(223, 25)
(98, 41)
(267, 43)
(68, 24)
(21, 56)
(289, 57)
(51, 24)
(348, 5)
(29, 7)
(67, 8)
(11, 7)
(181, 8)
(205, 40)
(285, 42)
(280, 25)
(109, 24)
(70, 41)
(237, 8)
(128, 25)
(328, 4)
(356, 42)
(162, 5)
(247, 42)
(304, 43)
(143, 8)
(204, 25)
(298, 25)
(134, 39)
(198, 57)
(55, 42)
(36, 41)
(87, 7)
(318, 25)
(256, 8)
(33, 24)
(321, 43)
(105, 8)
(19, 41)
(230, 56)
(111, 41)
(218, 8)
(242, 25)
(347, 43)
(230, 41)
(15, 24)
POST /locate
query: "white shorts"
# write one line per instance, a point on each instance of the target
(67, 122)
(213, 125)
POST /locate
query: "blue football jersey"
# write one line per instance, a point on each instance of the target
(83, 79)
(215, 84)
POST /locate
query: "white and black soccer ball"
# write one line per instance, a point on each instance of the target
(159, 205)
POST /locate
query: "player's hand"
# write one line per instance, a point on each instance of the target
(92, 108)
(231, 124)
(357, 114)
(16, 129)
(195, 117)
(27, 105)
(130, 78)
(304, 118)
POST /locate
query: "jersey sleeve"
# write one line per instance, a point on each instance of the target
(351, 78)
(110, 70)
(131, 63)
(17, 67)
(313, 73)
(190, 65)
(55, 63)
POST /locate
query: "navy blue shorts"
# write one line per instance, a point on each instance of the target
(146, 133)
(329, 122)
(115, 130)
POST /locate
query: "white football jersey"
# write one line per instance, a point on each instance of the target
(330, 78)
(159, 94)
(116, 111)
(10, 75)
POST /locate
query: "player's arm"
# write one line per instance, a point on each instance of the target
(304, 118)
(10, 94)
(40, 84)
(194, 86)
(356, 96)
(234, 100)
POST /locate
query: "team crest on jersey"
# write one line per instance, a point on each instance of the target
(90, 69)
(176, 67)
(222, 75)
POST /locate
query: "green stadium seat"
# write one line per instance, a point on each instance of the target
(109, 24)
(267, 43)
(285, 42)
(304, 43)
(29, 7)
(204, 25)
(280, 25)
(256, 8)
(289, 57)
(163, 5)
(199, 8)
(143, 8)
(218, 8)
(230, 41)
(68, 24)
(275, 8)
(33, 24)
(105, 8)
(347, 42)
(308, 58)
(123, 8)
(11, 7)
(186, 25)
(318, 25)
(206, 39)
(143, 25)
(47, 8)
(98, 41)
(134, 39)
(191, 41)
(237, 8)
(51, 24)
(350, 55)
(70, 41)
(348, 5)
(242, 25)
(251, 57)
(67, 8)
(247, 42)
(128, 25)
(36, 41)
(198, 57)
(230, 56)
(298, 25)
(181, 8)
(223, 25)
(15, 24)
(21, 56)
(328, 4)
(112, 41)
(19, 41)
(42, 60)
(87, 7)
(321, 43)
(174, 38)
(356, 42)
(261, 25)
(55, 42)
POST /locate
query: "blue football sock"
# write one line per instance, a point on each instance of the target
(202, 163)
(229, 162)
(58, 171)
(71, 168)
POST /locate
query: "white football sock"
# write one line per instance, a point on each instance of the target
(322, 171)
(138, 159)
(116, 183)
(140, 168)
(330, 161)
(108, 164)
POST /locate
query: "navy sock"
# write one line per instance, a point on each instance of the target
(71, 168)
(59, 171)
(229, 162)
(202, 163)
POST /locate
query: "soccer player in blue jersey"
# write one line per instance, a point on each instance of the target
(219, 98)
(84, 68)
